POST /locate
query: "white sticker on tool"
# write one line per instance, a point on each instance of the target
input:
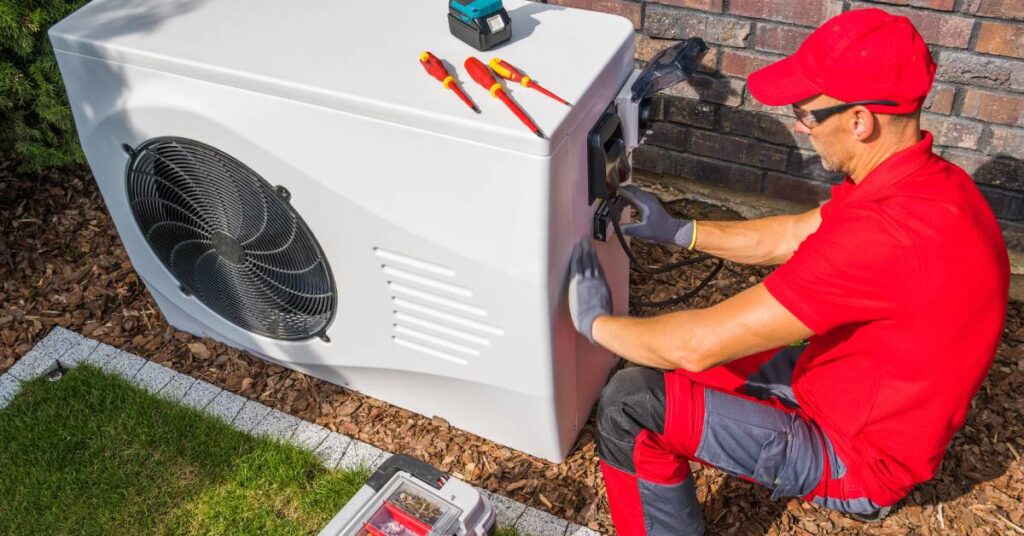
(496, 23)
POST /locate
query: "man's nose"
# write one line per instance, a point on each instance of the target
(800, 127)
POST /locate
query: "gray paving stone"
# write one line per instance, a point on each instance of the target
(225, 406)
(43, 356)
(380, 460)
(153, 377)
(309, 435)
(9, 387)
(176, 388)
(277, 425)
(78, 353)
(125, 365)
(332, 449)
(101, 355)
(249, 416)
(506, 511)
(200, 395)
(579, 530)
(533, 522)
(359, 454)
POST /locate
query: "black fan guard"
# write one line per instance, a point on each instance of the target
(230, 238)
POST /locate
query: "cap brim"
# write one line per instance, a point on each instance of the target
(780, 84)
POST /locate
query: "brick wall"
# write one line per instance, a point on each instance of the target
(713, 130)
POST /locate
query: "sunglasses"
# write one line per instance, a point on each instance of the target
(813, 118)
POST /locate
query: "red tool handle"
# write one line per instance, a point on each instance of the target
(508, 71)
(434, 66)
(482, 75)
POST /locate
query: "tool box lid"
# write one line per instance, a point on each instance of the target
(362, 57)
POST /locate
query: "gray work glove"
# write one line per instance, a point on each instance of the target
(655, 222)
(589, 295)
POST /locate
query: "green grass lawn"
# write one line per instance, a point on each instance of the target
(93, 454)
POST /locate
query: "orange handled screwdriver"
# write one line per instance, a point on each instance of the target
(482, 75)
(508, 72)
(437, 70)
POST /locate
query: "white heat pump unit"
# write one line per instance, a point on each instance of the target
(287, 179)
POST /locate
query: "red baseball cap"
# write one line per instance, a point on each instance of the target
(864, 54)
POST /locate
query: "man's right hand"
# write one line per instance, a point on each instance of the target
(655, 222)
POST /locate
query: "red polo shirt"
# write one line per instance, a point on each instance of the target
(905, 287)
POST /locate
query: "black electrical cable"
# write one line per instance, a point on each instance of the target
(640, 267)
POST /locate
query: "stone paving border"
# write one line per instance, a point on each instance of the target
(67, 349)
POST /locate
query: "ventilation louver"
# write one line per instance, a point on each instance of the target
(230, 238)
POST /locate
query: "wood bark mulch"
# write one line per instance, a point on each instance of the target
(62, 263)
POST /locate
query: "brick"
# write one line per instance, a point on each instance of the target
(43, 357)
(944, 29)
(623, 8)
(671, 23)
(686, 111)
(125, 365)
(736, 149)
(727, 174)
(200, 394)
(153, 377)
(580, 530)
(975, 70)
(534, 521)
(808, 164)
(309, 436)
(754, 105)
(1001, 39)
(655, 159)
(332, 449)
(800, 190)
(506, 511)
(802, 12)
(703, 5)
(1005, 204)
(9, 387)
(1006, 173)
(647, 48)
(941, 5)
(277, 425)
(741, 63)
(360, 454)
(779, 38)
(1006, 141)
(101, 355)
(772, 128)
(727, 91)
(952, 131)
(1003, 9)
(668, 135)
(993, 107)
(78, 353)
(176, 389)
(941, 99)
(226, 406)
(249, 416)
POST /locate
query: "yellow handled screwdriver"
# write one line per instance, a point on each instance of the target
(509, 72)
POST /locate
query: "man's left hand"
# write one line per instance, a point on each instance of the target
(589, 295)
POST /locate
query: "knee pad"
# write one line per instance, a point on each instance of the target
(633, 400)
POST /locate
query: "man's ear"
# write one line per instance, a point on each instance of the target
(862, 123)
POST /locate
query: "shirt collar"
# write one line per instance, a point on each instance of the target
(894, 168)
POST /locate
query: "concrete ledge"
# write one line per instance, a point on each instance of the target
(66, 348)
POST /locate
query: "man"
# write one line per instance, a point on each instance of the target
(900, 281)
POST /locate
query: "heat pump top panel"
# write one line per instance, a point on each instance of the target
(362, 57)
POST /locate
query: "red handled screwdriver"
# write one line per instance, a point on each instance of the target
(482, 75)
(437, 70)
(508, 72)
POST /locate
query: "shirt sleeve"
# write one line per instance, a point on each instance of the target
(855, 268)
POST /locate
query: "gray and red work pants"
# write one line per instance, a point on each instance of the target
(741, 417)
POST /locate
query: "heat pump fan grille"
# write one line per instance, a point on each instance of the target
(230, 238)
